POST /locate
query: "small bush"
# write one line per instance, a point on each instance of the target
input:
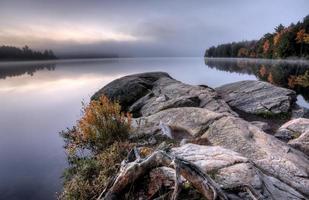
(95, 147)
(87, 177)
(102, 124)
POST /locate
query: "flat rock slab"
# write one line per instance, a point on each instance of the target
(257, 97)
(230, 169)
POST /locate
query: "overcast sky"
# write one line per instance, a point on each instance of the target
(141, 28)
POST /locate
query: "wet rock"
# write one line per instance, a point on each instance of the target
(257, 97)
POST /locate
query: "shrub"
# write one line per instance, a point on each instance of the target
(95, 147)
(87, 177)
(102, 123)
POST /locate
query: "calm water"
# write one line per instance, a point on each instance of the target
(39, 99)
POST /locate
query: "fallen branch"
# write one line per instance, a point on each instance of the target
(134, 170)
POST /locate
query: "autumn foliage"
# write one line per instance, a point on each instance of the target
(95, 147)
(286, 42)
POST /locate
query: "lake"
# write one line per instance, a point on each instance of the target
(39, 99)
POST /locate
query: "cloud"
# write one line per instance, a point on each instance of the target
(141, 28)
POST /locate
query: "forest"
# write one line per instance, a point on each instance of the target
(24, 53)
(285, 42)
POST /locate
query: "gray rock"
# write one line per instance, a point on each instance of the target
(268, 153)
(262, 125)
(247, 155)
(301, 143)
(292, 129)
(296, 133)
(148, 93)
(299, 112)
(257, 97)
(230, 169)
(169, 93)
(297, 126)
(195, 120)
(127, 90)
(284, 135)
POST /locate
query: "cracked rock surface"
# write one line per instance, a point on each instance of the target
(257, 97)
(296, 133)
(241, 153)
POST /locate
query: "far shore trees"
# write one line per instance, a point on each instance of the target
(285, 42)
(24, 53)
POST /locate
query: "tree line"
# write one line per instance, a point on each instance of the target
(24, 53)
(284, 42)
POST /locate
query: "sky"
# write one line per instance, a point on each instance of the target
(141, 27)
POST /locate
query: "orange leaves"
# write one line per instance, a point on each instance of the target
(263, 71)
(270, 78)
(266, 46)
(95, 148)
(103, 123)
(300, 36)
(277, 38)
(306, 38)
(243, 52)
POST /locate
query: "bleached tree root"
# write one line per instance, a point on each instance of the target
(131, 171)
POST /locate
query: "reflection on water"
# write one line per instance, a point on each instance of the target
(39, 99)
(289, 74)
(10, 69)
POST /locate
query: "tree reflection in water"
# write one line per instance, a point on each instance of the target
(289, 74)
(11, 69)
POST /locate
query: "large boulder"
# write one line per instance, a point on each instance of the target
(147, 93)
(268, 153)
(257, 97)
(242, 154)
(169, 93)
(128, 89)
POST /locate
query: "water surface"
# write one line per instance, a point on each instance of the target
(39, 99)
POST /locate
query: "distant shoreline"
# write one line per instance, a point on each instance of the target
(264, 60)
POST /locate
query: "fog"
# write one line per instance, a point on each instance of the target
(141, 28)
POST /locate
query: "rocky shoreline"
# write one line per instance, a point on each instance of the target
(240, 151)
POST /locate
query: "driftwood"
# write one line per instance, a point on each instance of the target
(131, 171)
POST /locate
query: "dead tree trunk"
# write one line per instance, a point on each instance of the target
(131, 171)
